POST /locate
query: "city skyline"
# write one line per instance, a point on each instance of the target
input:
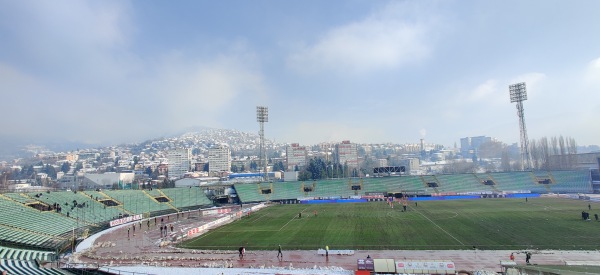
(115, 72)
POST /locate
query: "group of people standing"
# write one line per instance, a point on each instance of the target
(242, 252)
(164, 228)
(527, 257)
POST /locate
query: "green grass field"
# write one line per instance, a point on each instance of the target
(542, 223)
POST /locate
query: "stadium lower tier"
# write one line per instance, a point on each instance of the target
(539, 182)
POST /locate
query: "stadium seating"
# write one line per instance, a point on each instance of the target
(249, 192)
(404, 184)
(287, 190)
(25, 254)
(571, 181)
(186, 197)
(516, 181)
(88, 209)
(461, 183)
(137, 202)
(28, 267)
(375, 185)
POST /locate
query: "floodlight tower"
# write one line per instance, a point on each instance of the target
(262, 116)
(518, 94)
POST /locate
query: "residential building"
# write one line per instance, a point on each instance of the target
(411, 166)
(179, 162)
(347, 154)
(469, 146)
(295, 156)
(219, 159)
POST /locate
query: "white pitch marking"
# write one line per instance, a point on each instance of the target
(440, 227)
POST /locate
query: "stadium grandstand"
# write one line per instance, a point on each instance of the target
(501, 183)
(37, 227)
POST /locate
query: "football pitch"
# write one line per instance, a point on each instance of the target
(498, 224)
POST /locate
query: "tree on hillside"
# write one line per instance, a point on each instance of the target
(278, 166)
(50, 171)
(65, 167)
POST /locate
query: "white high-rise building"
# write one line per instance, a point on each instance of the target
(347, 154)
(295, 155)
(219, 159)
(180, 161)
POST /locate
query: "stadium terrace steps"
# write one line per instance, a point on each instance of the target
(88, 210)
(19, 197)
(24, 226)
(562, 181)
(249, 192)
(186, 197)
(403, 184)
(461, 183)
(375, 185)
(515, 181)
(28, 267)
(288, 190)
(136, 202)
(25, 254)
(27, 218)
(572, 181)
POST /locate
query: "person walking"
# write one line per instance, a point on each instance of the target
(512, 257)
(327, 251)
(241, 250)
(527, 257)
(279, 252)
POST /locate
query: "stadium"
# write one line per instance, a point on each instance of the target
(433, 224)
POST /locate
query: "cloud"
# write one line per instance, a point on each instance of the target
(484, 91)
(591, 75)
(386, 39)
(78, 78)
(207, 90)
(313, 132)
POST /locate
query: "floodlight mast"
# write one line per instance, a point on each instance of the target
(518, 94)
(262, 116)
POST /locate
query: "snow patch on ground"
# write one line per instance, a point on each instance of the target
(332, 270)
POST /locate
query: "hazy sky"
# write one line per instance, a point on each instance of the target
(110, 72)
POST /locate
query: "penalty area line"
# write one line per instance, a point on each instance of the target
(293, 218)
(448, 233)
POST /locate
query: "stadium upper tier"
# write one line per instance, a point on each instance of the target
(535, 182)
(46, 220)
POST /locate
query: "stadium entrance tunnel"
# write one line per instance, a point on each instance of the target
(162, 199)
(488, 182)
(39, 206)
(110, 203)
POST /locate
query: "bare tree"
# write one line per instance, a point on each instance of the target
(535, 154)
(554, 143)
(505, 161)
(544, 152)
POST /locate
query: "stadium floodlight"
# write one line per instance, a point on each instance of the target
(262, 116)
(518, 94)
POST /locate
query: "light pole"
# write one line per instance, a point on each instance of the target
(518, 94)
(262, 116)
